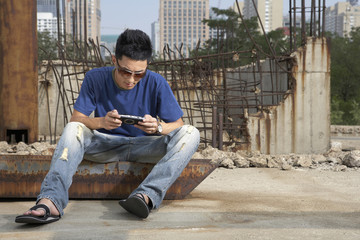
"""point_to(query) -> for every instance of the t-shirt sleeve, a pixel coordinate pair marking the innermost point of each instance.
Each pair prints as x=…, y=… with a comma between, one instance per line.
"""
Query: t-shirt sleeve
x=85, y=102
x=169, y=109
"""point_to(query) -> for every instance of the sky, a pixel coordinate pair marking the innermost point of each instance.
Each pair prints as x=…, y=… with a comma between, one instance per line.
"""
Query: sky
x=117, y=15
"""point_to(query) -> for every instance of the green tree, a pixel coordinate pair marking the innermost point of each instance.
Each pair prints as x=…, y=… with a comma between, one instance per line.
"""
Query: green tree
x=336, y=112
x=47, y=46
x=231, y=34
x=345, y=77
x=235, y=35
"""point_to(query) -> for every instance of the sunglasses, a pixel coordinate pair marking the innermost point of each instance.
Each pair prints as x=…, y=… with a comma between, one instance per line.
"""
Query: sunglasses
x=127, y=73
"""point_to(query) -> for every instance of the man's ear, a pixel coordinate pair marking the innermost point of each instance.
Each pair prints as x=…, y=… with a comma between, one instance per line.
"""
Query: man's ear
x=113, y=59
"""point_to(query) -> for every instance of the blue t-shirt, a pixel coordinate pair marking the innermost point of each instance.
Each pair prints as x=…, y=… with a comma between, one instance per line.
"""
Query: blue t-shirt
x=152, y=95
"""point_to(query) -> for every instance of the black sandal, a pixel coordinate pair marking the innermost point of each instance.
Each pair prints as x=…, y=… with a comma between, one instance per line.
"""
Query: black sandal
x=47, y=218
x=136, y=205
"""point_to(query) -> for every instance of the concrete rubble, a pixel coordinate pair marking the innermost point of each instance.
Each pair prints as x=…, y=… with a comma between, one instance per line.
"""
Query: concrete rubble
x=37, y=148
x=334, y=160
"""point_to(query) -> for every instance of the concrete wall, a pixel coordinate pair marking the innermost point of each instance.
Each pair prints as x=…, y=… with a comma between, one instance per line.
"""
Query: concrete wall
x=258, y=84
x=301, y=123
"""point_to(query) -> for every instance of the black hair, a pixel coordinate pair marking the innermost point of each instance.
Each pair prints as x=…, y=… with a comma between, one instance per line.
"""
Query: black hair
x=134, y=44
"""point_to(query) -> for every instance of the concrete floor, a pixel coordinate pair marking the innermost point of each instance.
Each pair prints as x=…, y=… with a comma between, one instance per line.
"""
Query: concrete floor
x=230, y=204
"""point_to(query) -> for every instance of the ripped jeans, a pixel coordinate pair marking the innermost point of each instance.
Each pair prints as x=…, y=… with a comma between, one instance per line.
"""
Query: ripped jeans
x=170, y=154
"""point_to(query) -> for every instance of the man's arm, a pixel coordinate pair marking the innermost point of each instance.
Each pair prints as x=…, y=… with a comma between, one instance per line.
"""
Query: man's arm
x=110, y=121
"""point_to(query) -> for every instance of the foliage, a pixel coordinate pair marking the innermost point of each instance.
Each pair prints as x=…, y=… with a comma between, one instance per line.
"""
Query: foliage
x=47, y=46
x=233, y=35
x=355, y=112
x=336, y=112
x=345, y=78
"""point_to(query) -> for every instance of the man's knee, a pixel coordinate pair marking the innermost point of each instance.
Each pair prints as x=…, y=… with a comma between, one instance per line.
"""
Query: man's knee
x=190, y=132
x=73, y=126
x=75, y=129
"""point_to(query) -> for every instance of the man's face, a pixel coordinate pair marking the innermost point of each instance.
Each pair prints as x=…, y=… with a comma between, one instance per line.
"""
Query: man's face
x=128, y=71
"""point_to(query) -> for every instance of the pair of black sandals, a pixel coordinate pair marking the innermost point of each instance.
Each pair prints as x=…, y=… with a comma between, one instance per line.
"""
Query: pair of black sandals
x=135, y=204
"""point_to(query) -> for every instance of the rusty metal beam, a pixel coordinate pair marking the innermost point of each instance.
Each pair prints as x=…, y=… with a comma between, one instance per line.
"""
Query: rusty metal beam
x=21, y=177
x=18, y=71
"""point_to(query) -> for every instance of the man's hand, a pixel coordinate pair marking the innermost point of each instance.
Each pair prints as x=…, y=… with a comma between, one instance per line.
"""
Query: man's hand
x=149, y=125
x=111, y=120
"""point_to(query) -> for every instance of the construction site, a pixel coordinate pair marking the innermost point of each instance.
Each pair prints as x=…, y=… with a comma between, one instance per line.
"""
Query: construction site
x=270, y=165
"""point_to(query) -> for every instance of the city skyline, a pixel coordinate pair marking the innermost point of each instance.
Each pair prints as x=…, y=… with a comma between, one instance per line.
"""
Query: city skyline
x=116, y=16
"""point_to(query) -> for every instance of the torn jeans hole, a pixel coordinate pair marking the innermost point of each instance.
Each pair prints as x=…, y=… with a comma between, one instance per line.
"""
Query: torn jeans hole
x=64, y=155
x=79, y=133
x=190, y=129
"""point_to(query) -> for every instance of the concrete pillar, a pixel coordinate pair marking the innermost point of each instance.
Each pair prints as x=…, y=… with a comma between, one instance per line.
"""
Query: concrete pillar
x=18, y=71
x=301, y=122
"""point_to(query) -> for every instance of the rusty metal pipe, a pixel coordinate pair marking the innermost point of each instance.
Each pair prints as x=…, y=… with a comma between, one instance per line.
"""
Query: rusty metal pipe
x=214, y=124
x=221, y=119
x=18, y=71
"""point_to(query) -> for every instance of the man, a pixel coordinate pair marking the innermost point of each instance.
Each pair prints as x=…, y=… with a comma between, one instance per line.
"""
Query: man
x=126, y=89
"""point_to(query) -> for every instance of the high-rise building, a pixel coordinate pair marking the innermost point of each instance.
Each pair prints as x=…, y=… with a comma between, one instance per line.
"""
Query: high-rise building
x=181, y=23
x=77, y=11
x=47, y=22
x=47, y=6
x=270, y=12
x=241, y=6
x=47, y=17
x=71, y=17
x=341, y=18
x=155, y=37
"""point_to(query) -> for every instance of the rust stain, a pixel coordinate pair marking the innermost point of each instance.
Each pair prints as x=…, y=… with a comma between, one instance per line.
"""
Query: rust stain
x=276, y=121
x=295, y=69
x=268, y=133
x=328, y=54
x=258, y=140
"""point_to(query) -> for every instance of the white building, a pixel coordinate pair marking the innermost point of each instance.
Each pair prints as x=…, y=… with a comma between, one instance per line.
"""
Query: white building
x=341, y=18
x=47, y=22
x=270, y=12
x=76, y=11
x=155, y=37
x=181, y=23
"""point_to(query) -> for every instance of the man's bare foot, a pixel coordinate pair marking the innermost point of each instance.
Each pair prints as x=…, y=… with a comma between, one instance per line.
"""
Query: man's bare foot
x=41, y=212
x=145, y=197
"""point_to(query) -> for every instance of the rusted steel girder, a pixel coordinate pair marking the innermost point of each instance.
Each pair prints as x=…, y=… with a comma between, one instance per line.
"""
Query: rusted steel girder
x=18, y=71
x=21, y=177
